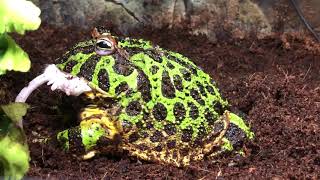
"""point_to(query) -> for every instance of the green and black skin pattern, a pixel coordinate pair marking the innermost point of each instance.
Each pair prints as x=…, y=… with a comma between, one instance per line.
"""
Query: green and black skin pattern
x=169, y=110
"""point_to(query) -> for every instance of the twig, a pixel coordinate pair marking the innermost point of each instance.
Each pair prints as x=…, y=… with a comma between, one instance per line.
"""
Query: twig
x=304, y=77
x=126, y=9
x=303, y=19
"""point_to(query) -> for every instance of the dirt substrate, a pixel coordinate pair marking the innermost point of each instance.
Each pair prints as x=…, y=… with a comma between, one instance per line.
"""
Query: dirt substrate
x=274, y=82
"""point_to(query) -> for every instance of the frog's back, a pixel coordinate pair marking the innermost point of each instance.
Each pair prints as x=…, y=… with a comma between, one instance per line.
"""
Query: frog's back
x=172, y=91
x=173, y=107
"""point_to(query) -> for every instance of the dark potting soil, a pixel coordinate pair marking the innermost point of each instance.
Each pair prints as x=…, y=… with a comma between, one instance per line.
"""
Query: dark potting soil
x=274, y=82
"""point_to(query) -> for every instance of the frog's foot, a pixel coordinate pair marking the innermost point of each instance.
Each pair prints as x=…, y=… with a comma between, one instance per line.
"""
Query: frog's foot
x=233, y=136
x=215, y=138
x=89, y=155
x=97, y=132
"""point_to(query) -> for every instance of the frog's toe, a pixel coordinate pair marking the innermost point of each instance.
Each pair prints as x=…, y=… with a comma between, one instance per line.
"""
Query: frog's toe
x=89, y=155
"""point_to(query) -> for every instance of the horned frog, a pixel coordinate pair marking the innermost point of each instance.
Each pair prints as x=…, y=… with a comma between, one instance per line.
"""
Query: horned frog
x=153, y=103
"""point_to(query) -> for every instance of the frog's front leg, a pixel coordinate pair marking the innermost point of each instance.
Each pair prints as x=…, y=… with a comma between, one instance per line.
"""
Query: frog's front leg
x=97, y=131
x=215, y=138
x=231, y=137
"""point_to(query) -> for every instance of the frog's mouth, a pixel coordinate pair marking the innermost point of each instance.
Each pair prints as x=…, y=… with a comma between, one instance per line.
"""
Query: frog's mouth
x=53, y=76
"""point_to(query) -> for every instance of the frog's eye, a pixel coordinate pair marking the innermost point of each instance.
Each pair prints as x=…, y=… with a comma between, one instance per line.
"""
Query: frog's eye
x=104, y=46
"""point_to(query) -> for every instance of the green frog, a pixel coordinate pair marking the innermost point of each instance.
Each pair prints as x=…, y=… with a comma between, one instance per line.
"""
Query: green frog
x=152, y=103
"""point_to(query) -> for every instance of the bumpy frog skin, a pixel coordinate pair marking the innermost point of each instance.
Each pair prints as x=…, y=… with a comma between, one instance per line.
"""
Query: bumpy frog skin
x=153, y=103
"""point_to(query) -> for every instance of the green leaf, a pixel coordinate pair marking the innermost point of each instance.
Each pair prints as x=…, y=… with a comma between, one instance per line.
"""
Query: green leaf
x=18, y=16
x=12, y=57
x=14, y=153
x=14, y=158
x=15, y=111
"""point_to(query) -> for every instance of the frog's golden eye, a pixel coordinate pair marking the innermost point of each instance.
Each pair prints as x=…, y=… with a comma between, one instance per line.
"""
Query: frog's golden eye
x=105, y=46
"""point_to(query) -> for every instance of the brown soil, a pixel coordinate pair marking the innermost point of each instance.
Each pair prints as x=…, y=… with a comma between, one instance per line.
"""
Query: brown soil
x=273, y=81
